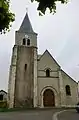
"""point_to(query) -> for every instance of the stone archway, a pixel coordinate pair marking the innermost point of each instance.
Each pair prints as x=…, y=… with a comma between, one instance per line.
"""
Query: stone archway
x=48, y=98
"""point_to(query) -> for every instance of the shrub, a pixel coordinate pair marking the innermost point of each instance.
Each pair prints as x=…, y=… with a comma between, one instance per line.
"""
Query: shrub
x=3, y=104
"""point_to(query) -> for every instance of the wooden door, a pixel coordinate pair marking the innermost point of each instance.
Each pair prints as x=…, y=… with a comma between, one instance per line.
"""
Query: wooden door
x=48, y=98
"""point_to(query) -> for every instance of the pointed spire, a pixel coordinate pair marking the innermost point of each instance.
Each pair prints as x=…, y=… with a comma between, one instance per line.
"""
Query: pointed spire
x=26, y=25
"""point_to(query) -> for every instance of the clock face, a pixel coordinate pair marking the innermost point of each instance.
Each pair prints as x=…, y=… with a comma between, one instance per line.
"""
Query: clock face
x=26, y=36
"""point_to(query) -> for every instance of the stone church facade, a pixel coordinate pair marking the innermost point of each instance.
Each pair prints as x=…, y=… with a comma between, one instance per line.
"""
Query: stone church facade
x=37, y=80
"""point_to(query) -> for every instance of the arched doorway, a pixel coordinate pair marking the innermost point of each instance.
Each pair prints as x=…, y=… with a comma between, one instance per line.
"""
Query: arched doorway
x=48, y=98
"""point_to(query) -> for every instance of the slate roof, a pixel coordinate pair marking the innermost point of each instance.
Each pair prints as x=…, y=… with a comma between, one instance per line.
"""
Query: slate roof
x=26, y=25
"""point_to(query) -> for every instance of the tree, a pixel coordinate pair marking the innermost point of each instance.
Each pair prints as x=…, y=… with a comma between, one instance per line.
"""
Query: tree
x=51, y=4
x=6, y=16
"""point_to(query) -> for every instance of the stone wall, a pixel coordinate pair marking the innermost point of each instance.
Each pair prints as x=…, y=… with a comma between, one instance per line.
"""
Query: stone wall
x=46, y=61
x=19, y=38
x=73, y=98
x=24, y=85
x=12, y=78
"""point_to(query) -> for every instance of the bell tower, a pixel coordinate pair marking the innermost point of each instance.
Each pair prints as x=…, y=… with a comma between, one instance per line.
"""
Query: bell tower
x=22, y=87
x=25, y=35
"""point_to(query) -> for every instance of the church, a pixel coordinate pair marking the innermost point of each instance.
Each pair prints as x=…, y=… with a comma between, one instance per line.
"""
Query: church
x=37, y=80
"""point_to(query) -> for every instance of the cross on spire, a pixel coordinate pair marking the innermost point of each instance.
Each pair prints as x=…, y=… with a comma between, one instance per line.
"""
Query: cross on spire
x=26, y=25
x=27, y=10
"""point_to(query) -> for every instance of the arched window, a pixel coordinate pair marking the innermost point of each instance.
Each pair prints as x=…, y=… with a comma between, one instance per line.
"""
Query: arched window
x=28, y=41
x=47, y=73
x=24, y=41
x=68, y=91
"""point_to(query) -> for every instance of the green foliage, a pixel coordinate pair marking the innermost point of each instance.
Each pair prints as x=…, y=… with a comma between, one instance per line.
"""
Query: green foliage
x=6, y=17
x=3, y=104
x=51, y=4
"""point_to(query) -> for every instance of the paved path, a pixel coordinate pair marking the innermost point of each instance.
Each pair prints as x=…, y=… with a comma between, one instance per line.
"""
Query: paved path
x=29, y=115
x=68, y=115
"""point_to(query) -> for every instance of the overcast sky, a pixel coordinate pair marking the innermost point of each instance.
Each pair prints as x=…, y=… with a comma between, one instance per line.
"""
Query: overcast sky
x=58, y=33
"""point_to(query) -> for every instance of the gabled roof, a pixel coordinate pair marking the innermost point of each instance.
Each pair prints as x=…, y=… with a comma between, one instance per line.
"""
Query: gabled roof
x=50, y=56
x=69, y=76
x=26, y=25
x=3, y=91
